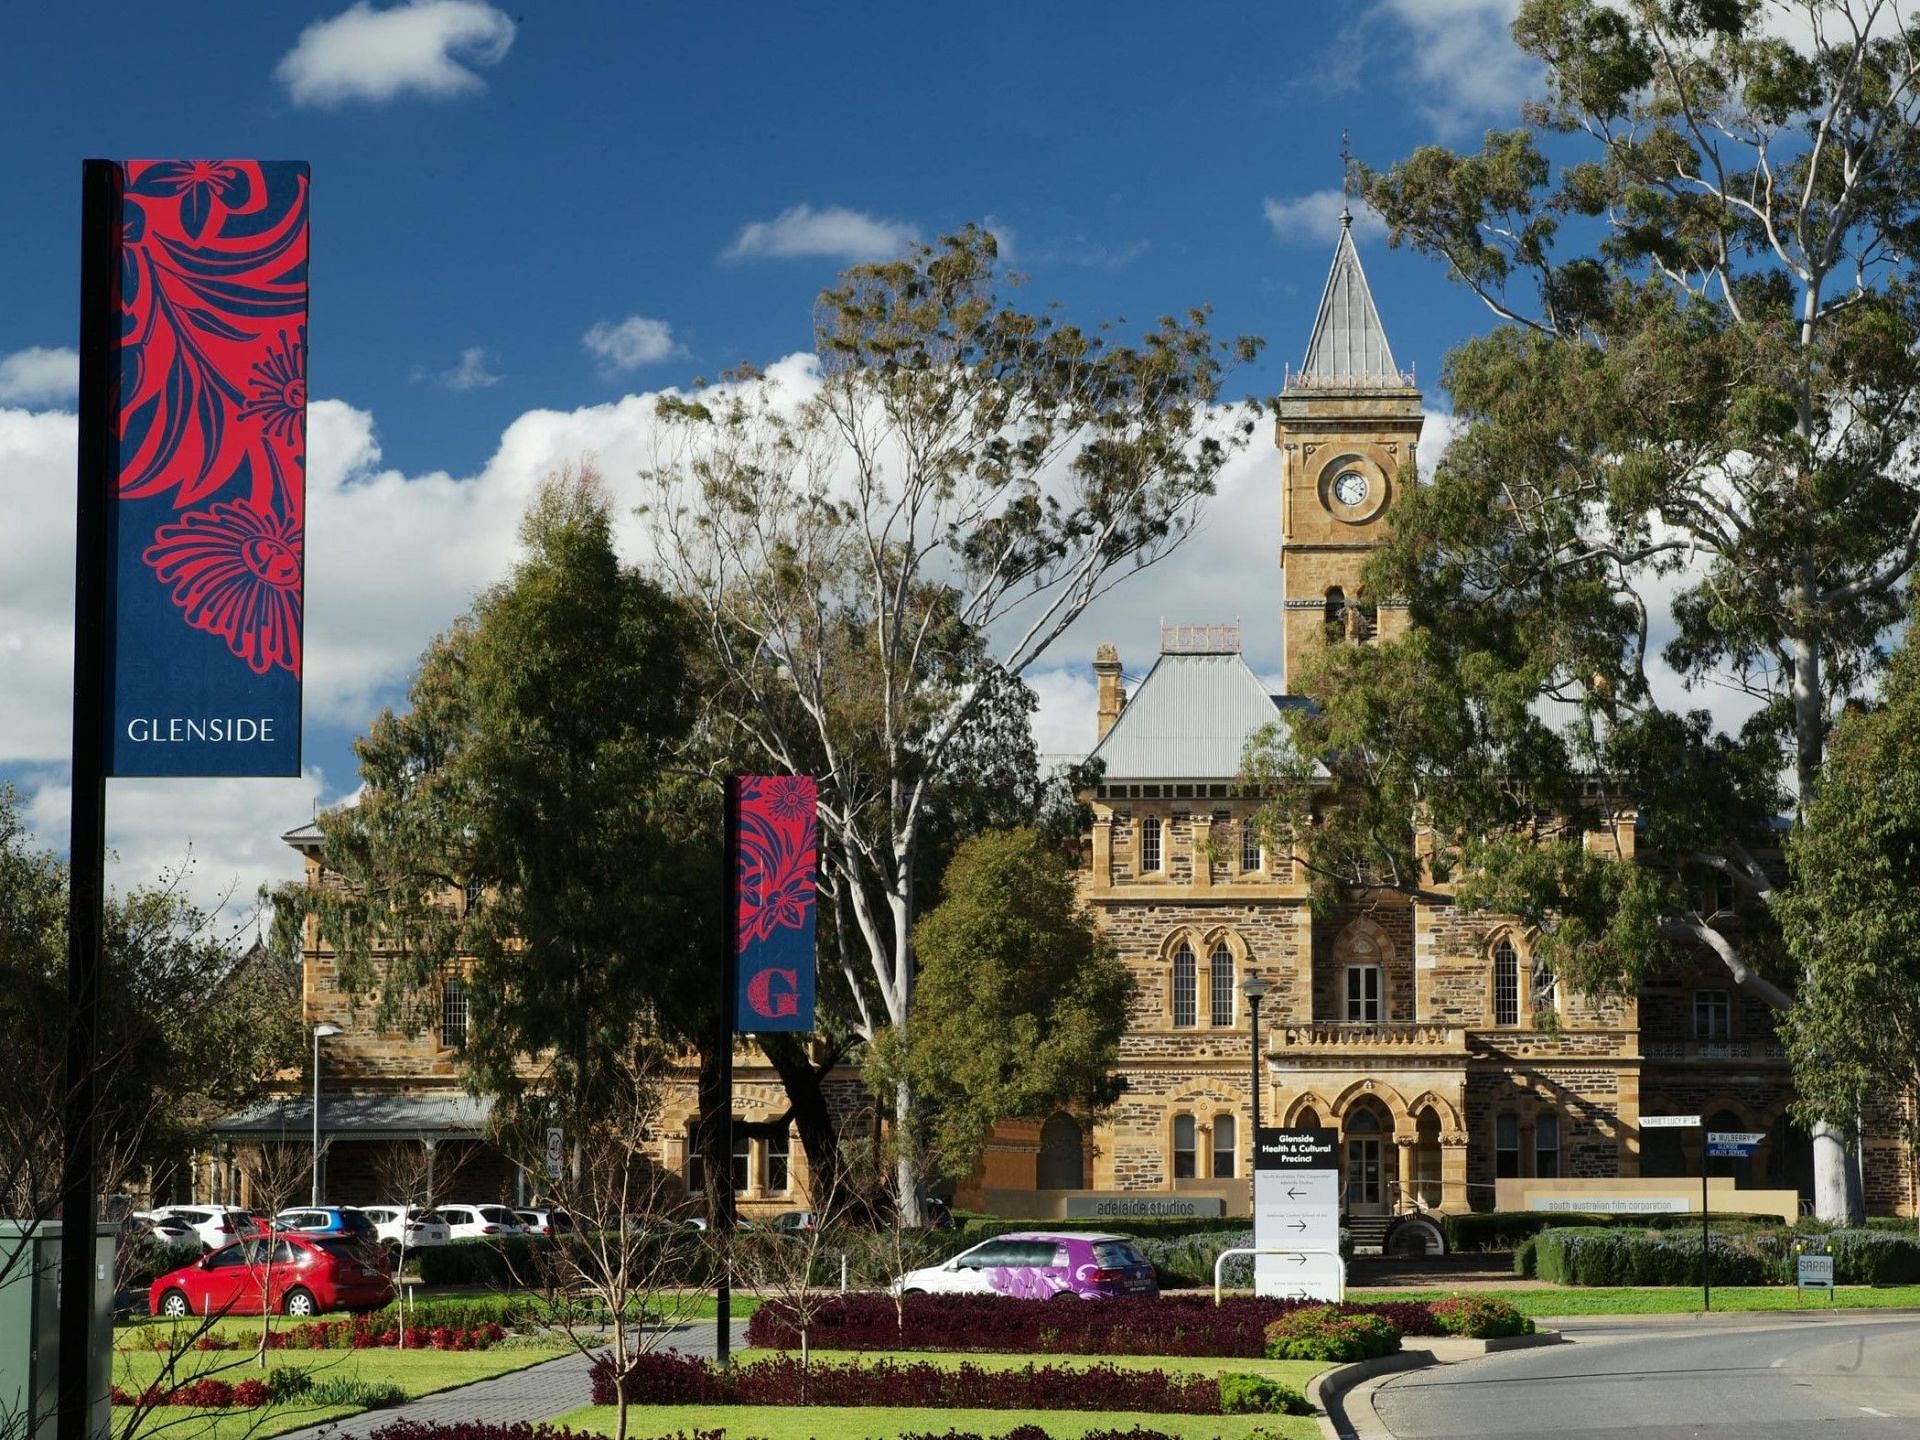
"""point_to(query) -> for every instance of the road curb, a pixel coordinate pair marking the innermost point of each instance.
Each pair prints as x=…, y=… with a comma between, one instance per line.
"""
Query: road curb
x=1327, y=1390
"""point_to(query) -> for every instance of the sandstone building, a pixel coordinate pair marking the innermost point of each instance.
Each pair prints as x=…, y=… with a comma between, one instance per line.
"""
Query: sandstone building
x=1410, y=1027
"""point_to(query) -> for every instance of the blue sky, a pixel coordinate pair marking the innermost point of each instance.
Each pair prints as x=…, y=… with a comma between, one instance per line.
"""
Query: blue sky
x=526, y=222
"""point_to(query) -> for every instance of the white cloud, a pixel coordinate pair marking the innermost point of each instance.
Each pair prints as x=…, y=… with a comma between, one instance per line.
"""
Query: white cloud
x=834, y=231
x=425, y=47
x=1314, y=219
x=39, y=375
x=630, y=343
x=1454, y=60
x=473, y=371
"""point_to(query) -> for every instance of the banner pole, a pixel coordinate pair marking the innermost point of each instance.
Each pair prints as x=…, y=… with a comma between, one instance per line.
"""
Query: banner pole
x=729, y=985
x=86, y=866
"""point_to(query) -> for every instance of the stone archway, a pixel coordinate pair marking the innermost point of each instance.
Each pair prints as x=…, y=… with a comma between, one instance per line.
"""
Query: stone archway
x=1062, y=1163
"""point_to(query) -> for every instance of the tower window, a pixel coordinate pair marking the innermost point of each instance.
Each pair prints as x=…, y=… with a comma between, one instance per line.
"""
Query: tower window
x=1336, y=616
x=1249, y=845
x=453, y=1013
x=1149, y=845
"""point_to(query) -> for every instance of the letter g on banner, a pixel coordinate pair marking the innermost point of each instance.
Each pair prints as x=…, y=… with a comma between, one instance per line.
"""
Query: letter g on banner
x=774, y=851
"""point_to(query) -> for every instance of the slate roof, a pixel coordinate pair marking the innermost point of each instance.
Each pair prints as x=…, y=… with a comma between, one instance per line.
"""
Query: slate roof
x=1189, y=719
x=1349, y=344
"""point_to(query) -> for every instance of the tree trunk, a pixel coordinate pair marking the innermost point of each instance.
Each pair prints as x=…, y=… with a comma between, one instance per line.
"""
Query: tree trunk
x=716, y=1168
x=906, y=1173
x=1836, y=1197
x=807, y=1107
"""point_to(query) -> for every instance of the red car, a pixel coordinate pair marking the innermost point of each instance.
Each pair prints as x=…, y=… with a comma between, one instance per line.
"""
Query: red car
x=294, y=1274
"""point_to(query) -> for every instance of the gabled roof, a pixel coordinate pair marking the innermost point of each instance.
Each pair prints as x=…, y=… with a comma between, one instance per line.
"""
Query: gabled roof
x=1349, y=343
x=1190, y=719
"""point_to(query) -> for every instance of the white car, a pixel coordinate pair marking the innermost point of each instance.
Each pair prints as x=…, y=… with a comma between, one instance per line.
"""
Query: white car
x=479, y=1222
x=407, y=1224
x=212, y=1225
x=162, y=1229
x=545, y=1223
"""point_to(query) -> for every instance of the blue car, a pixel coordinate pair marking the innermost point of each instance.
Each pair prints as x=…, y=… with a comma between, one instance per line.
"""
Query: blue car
x=338, y=1221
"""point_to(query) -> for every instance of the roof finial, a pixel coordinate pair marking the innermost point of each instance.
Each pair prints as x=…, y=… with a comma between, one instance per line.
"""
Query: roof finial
x=1346, y=181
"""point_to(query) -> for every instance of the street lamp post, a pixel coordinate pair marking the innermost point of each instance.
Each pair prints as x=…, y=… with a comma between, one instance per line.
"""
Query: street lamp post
x=1254, y=989
x=320, y=1032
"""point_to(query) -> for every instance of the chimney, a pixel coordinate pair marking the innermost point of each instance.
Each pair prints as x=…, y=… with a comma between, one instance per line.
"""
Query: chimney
x=1113, y=695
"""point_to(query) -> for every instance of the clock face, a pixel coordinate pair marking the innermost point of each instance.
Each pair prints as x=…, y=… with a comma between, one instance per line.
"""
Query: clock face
x=1350, y=489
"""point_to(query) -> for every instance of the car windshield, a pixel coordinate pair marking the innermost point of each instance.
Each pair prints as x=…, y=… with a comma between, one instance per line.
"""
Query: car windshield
x=1112, y=1254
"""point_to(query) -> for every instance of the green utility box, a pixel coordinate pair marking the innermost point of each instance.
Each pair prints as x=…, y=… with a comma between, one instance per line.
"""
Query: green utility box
x=30, y=1330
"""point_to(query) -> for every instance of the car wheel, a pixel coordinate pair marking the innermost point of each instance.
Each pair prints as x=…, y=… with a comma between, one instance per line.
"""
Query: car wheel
x=909, y=1294
x=175, y=1303
x=299, y=1302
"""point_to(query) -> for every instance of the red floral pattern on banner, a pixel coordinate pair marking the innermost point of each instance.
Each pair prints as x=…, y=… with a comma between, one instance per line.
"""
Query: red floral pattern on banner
x=213, y=303
x=776, y=855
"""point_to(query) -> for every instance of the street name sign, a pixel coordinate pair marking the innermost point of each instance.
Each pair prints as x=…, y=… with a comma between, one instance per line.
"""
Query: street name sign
x=1669, y=1122
x=1296, y=1208
x=1733, y=1144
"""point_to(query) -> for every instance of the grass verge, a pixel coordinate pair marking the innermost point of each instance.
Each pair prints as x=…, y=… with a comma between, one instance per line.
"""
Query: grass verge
x=1669, y=1300
x=885, y=1422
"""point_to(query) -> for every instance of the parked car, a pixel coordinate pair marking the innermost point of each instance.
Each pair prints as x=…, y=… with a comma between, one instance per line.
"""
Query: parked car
x=420, y=1229
x=160, y=1229
x=215, y=1225
x=339, y=1221
x=795, y=1220
x=547, y=1223
x=1038, y=1266
x=475, y=1222
x=294, y=1274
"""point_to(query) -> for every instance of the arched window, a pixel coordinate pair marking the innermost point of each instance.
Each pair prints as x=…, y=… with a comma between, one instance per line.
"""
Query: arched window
x=1544, y=988
x=1506, y=984
x=1336, y=614
x=453, y=1013
x=1183, y=1147
x=1225, y=1150
x=1062, y=1163
x=1220, y=984
x=1185, y=987
x=1149, y=845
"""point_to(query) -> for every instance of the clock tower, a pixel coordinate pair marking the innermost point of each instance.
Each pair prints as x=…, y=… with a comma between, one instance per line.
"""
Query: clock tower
x=1349, y=424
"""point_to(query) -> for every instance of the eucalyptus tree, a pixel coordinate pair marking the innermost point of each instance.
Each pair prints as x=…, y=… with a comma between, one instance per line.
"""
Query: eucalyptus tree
x=875, y=557
x=1693, y=422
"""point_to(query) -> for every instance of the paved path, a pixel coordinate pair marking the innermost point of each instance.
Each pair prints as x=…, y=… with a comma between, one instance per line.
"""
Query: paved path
x=528, y=1396
x=1753, y=1377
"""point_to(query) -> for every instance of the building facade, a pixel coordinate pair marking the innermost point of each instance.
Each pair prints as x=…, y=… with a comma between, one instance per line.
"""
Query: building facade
x=1417, y=1030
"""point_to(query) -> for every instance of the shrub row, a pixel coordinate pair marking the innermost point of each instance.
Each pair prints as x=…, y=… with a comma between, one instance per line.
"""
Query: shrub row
x=665, y=1378
x=1507, y=1229
x=1742, y=1255
x=359, y=1333
x=478, y=1430
x=280, y=1387
x=1190, y=1325
x=206, y=1394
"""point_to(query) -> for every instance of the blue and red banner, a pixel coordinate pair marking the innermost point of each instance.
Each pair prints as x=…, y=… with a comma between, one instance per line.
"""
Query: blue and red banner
x=774, y=849
x=208, y=467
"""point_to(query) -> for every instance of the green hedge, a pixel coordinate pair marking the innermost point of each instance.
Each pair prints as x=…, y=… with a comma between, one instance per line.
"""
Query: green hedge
x=1508, y=1229
x=1600, y=1255
x=1860, y=1257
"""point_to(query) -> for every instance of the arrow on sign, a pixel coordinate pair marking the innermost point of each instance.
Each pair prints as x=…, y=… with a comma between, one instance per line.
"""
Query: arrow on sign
x=1297, y=1225
x=1298, y=1259
x=1293, y=1194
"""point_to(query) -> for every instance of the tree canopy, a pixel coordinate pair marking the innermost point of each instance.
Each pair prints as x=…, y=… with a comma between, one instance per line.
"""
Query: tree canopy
x=1692, y=425
x=874, y=561
x=523, y=826
x=1021, y=1000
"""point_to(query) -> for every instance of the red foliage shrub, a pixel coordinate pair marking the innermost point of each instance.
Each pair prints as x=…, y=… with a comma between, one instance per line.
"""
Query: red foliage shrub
x=670, y=1379
x=252, y=1393
x=1183, y=1325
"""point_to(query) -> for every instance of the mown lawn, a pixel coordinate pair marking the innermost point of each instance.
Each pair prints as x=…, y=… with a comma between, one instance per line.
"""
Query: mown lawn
x=418, y=1372
x=1670, y=1300
x=885, y=1422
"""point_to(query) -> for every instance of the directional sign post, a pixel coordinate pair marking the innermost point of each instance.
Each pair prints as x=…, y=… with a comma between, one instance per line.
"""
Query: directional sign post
x=1296, y=1208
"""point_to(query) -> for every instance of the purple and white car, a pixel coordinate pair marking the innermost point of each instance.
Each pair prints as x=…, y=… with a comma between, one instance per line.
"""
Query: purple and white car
x=1034, y=1265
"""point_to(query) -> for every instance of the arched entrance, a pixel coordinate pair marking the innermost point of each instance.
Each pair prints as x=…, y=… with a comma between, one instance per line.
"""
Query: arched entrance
x=1367, y=1135
x=1063, y=1154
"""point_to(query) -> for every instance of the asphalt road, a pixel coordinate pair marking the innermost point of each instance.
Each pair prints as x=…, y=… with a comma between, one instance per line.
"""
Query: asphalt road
x=1755, y=1378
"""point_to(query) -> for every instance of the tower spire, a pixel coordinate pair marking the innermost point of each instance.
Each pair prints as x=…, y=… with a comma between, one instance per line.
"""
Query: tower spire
x=1349, y=344
x=1346, y=181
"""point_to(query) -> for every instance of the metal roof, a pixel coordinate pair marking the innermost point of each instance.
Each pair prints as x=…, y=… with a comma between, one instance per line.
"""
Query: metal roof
x=1190, y=719
x=1349, y=344
x=434, y=1116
